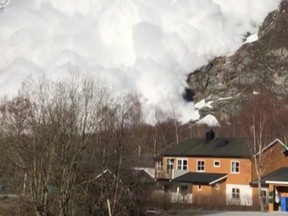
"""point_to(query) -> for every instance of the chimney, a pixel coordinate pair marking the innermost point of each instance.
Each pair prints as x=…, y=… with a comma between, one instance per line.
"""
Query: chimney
x=209, y=135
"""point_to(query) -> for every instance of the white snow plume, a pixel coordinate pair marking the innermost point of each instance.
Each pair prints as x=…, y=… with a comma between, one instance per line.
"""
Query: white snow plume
x=4, y=3
x=147, y=46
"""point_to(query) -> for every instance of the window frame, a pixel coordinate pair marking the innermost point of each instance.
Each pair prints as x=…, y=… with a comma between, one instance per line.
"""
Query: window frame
x=169, y=166
x=264, y=198
x=232, y=167
x=236, y=193
x=182, y=164
x=216, y=165
x=184, y=188
x=197, y=166
x=159, y=165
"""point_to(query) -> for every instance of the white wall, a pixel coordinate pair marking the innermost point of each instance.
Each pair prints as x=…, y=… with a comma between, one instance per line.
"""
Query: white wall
x=181, y=198
x=178, y=196
x=245, y=194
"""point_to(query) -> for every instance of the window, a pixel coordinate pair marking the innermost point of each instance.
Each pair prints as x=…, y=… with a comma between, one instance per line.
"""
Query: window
x=235, y=167
x=160, y=165
x=216, y=163
x=184, y=189
x=217, y=186
x=199, y=187
x=200, y=166
x=169, y=166
x=264, y=195
x=182, y=164
x=235, y=193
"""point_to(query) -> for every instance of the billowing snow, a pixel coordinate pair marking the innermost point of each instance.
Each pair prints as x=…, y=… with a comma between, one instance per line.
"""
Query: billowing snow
x=4, y=3
x=147, y=47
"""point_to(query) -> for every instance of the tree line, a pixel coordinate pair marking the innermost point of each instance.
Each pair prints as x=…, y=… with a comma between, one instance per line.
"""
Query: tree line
x=56, y=138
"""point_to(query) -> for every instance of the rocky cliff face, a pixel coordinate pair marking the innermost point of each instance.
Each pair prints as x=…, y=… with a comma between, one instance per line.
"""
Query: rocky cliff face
x=258, y=66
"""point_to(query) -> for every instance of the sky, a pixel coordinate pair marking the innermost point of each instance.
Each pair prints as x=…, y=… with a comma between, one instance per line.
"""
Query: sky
x=144, y=46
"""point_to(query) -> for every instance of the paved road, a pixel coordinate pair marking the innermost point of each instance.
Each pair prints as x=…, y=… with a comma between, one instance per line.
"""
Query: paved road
x=246, y=213
x=228, y=213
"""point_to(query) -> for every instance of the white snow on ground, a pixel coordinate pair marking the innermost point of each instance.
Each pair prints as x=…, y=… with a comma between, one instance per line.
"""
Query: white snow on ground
x=255, y=92
x=252, y=38
x=209, y=120
x=201, y=104
x=225, y=98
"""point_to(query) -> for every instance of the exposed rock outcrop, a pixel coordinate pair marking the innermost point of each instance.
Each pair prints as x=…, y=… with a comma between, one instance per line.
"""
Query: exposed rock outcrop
x=255, y=67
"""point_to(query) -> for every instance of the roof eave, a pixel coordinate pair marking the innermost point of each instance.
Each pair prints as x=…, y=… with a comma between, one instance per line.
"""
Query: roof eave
x=271, y=144
x=217, y=180
x=277, y=182
x=207, y=156
x=192, y=182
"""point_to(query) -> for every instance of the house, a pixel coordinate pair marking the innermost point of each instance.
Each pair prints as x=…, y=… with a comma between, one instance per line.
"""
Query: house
x=274, y=181
x=224, y=167
x=132, y=180
x=143, y=162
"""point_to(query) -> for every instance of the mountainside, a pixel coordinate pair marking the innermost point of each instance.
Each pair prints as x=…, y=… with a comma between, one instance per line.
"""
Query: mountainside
x=257, y=66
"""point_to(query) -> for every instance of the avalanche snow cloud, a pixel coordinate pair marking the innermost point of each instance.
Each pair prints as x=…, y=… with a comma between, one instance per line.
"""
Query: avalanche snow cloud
x=147, y=46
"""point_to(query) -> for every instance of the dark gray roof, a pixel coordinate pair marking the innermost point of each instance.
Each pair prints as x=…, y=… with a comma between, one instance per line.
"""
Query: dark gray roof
x=200, y=178
x=138, y=177
x=279, y=175
x=218, y=147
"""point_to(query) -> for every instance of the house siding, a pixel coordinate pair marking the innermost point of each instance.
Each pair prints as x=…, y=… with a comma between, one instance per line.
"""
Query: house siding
x=222, y=188
x=246, y=194
x=273, y=157
x=273, y=160
x=243, y=177
x=205, y=190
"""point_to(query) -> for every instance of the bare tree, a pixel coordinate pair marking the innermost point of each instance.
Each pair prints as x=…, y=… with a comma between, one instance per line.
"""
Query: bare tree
x=48, y=127
x=257, y=139
x=255, y=123
x=61, y=135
